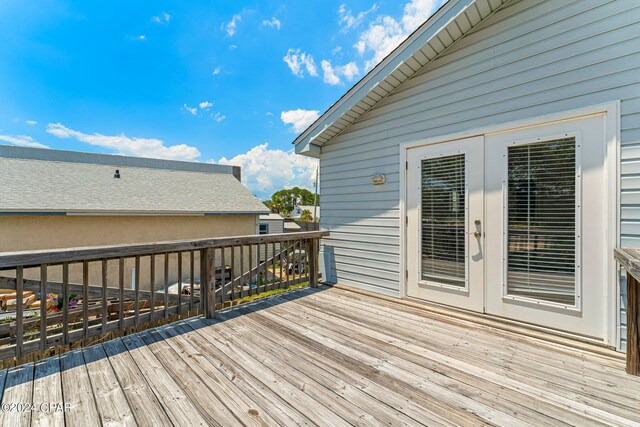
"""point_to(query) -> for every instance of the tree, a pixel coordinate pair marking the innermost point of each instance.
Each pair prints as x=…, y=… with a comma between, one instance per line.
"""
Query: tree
x=288, y=199
x=305, y=216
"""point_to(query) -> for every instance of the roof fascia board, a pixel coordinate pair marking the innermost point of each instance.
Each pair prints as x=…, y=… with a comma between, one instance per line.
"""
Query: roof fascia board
x=114, y=160
x=310, y=150
x=438, y=21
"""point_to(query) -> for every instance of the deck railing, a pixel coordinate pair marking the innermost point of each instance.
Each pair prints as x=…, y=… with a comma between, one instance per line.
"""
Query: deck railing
x=52, y=300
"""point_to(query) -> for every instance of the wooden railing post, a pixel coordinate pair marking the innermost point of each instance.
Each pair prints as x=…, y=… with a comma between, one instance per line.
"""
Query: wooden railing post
x=313, y=262
x=210, y=284
x=630, y=260
x=633, y=325
x=19, y=311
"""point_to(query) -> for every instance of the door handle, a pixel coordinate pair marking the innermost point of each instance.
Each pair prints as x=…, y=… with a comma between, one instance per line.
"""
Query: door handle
x=477, y=233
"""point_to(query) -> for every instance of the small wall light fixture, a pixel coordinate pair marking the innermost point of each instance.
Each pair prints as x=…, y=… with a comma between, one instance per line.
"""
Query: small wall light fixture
x=378, y=179
x=117, y=174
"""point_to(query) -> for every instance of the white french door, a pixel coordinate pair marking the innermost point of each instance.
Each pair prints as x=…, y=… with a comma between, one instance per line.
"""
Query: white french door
x=444, y=216
x=545, y=189
x=513, y=224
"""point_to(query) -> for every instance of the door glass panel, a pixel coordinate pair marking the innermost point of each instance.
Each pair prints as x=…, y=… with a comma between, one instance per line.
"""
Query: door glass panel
x=541, y=225
x=443, y=220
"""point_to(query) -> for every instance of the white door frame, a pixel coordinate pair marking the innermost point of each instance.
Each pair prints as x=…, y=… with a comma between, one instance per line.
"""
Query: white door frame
x=611, y=111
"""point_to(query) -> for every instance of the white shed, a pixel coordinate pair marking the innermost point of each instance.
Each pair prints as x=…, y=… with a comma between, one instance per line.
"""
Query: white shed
x=271, y=223
x=491, y=163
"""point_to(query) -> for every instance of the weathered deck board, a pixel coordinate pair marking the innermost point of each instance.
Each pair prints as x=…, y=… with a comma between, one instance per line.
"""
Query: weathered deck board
x=566, y=372
x=47, y=388
x=18, y=389
x=307, y=362
x=239, y=403
x=437, y=379
x=143, y=402
x=171, y=396
x=328, y=357
x=203, y=399
x=76, y=389
x=288, y=392
x=110, y=399
x=478, y=382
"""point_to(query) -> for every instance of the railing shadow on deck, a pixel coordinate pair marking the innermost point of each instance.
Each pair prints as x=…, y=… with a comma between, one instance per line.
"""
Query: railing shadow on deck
x=54, y=365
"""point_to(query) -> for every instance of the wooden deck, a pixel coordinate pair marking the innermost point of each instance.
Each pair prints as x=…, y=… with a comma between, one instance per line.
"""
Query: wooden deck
x=326, y=357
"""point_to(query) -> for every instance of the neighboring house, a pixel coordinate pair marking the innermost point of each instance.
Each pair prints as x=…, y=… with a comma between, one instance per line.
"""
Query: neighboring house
x=491, y=163
x=297, y=211
x=58, y=199
x=271, y=223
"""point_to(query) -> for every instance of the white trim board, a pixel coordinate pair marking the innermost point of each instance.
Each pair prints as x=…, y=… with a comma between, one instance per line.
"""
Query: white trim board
x=611, y=111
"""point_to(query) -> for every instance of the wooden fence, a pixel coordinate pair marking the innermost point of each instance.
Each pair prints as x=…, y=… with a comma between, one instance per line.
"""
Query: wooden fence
x=42, y=316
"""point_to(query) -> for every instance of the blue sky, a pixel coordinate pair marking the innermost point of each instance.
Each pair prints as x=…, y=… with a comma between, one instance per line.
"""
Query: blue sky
x=230, y=82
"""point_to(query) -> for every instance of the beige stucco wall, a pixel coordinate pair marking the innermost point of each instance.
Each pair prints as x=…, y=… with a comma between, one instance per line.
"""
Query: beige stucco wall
x=19, y=233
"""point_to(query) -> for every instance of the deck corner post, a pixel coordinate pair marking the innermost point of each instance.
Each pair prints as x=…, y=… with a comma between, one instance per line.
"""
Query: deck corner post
x=633, y=325
x=313, y=262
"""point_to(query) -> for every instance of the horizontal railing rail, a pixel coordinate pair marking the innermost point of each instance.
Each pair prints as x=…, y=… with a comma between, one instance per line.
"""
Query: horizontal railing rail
x=51, y=300
x=59, y=256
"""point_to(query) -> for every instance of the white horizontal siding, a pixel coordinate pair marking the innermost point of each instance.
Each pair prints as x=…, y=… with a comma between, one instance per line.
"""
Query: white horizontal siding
x=531, y=58
x=276, y=226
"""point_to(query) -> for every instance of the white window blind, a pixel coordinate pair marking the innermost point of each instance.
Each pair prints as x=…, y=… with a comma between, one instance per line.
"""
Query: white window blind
x=541, y=221
x=443, y=220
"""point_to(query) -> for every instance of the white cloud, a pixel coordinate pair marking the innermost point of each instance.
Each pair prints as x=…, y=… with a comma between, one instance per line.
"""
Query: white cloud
x=142, y=37
x=380, y=39
x=299, y=119
x=332, y=75
x=299, y=61
x=349, y=71
x=205, y=105
x=217, y=71
x=122, y=144
x=192, y=110
x=386, y=33
x=273, y=23
x=163, y=18
x=22, y=141
x=218, y=117
x=232, y=26
x=336, y=50
x=266, y=171
x=31, y=122
x=348, y=20
x=418, y=11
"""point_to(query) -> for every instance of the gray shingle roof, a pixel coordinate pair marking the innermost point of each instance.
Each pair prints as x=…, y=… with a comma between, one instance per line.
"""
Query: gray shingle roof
x=35, y=185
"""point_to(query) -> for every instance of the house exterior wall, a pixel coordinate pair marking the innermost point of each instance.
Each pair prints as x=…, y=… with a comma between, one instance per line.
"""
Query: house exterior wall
x=532, y=58
x=18, y=233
